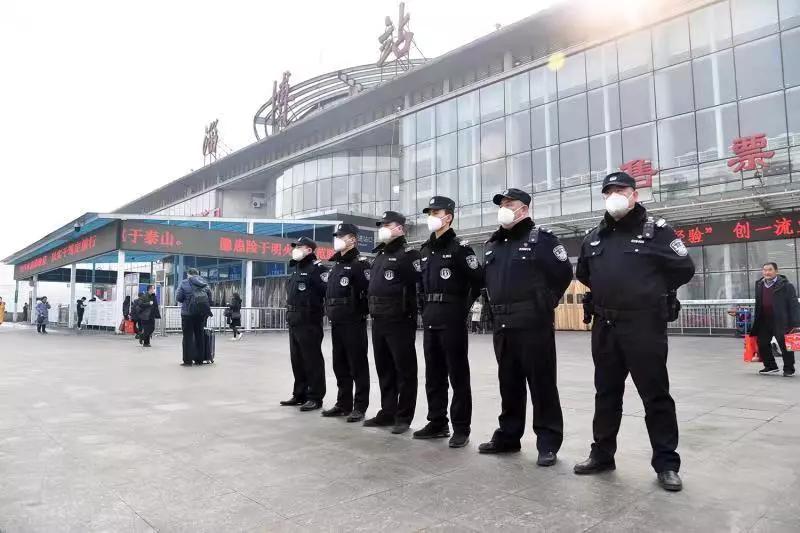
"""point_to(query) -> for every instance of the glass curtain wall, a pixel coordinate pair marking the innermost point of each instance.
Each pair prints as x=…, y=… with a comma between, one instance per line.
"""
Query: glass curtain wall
x=674, y=96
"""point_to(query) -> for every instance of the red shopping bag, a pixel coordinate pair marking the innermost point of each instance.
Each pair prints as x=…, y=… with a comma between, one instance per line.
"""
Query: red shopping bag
x=129, y=329
x=793, y=340
x=750, y=349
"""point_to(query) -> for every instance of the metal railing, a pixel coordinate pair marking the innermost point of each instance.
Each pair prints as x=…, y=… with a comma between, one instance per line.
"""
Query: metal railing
x=710, y=317
x=253, y=319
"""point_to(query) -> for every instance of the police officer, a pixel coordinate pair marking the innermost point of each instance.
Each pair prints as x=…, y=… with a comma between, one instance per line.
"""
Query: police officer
x=451, y=280
x=632, y=264
x=304, y=309
x=527, y=272
x=394, y=277
x=346, y=307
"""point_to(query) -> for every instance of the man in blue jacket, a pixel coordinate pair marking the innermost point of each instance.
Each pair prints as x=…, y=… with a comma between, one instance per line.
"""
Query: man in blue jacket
x=195, y=298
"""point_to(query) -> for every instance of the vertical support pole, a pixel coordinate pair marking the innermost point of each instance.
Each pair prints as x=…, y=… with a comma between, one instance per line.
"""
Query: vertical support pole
x=508, y=61
x=16, y=300
x=120, y=291
x=35, y=294
x=248, y=284
x=92, y=287
x=73, y=276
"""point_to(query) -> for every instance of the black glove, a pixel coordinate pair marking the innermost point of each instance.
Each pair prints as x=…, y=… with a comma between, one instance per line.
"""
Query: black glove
x=588, y=308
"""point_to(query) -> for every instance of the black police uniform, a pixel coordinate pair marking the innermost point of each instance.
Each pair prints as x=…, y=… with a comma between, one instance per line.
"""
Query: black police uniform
x=630, y=265
x=304, y=311
x=346, y=307
x=452, y=278
x=527, y=272
x=393, y=305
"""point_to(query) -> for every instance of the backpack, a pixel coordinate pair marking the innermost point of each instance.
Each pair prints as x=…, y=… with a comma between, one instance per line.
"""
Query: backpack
x=199, y=304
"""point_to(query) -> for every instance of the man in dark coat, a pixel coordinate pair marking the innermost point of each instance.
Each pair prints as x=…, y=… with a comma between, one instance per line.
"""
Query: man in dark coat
x=147, y=313
x=776, y=313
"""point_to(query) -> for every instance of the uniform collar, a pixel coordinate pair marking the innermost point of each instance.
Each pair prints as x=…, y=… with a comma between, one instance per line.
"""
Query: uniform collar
x=441, y=242
x=520, y=229
x=634, y=219
x=349, y=256
x=304, y=261
x=391, y=246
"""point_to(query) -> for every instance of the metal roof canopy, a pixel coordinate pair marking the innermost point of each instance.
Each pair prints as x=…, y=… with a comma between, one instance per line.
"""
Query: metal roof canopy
x=90, y=222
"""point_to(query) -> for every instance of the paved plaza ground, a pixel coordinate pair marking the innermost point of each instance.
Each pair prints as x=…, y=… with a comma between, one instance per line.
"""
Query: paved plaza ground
x=97, y=434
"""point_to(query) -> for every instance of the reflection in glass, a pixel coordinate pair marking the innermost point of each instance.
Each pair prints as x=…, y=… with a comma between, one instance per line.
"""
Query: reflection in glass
x=543, y=86
x=518, y=132
x=753, y=19
x=408, y=163
x=408, y=130
x=468, y=110
x=790, y=44
x=604, y=109
x=573, y=122
x=725, y=257
x=383, y=186
x=764, y=114
x=426, y=153
x=710, y=29
x=671, y=42
x=601, y=65
x=469, y=184
x=355, y=189
x=638, y=100
x=493, y=140
x=493, y=178
x=606, y=154
x=425, y=188
x=408, y=196
x=446, y=153
x=446, y=117
x=517, y=93
x=469, y=146
x=575, y=163
x=547, y=204
x=677, y=141
x=575, y=200
x=310, y=195
x=339, y=190
x=426, y=124
x=519, y=171
x=727, y=286
x=674, y=90
x=714, y=81
x=716, y=129
x=324, y=193
x=447, y=185
x=340, y=163
x=368, y=187
x=757, y=69
x=492, y=102
x=635, y=55
x=572, y=76
x=546, y=171
x=544, y=125
x=639, y=143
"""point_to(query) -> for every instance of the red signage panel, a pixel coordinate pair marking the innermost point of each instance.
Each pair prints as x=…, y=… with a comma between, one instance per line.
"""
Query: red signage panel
x=782, y=226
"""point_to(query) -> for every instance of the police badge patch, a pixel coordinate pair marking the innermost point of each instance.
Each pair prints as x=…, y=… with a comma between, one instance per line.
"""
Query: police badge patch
x=366, y=274
x=301, y=287
x=344, y=281
x=445, y=273
x=389, y=275
x=678, y=247
x=324, y=276
x=472, y=262
x=417, y=265
x=560, y=252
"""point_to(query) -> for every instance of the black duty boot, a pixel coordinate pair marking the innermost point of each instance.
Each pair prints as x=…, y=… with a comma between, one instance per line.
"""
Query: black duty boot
x=334, y=411
x=355, y=416
x=546, y=459
x=400, y=427
x=294, y=400
x=311, y=405
x=593, y=466
x=458, y=440
x=498, y=447
x=376, y=422
x=432, y=431
x=670, y=480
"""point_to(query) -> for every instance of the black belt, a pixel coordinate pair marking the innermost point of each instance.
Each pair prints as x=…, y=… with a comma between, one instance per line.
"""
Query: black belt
x=339, y=301
x=385, y=299
x=621, y=314
x=439, y=297
x=514, y=307
x=298, y=307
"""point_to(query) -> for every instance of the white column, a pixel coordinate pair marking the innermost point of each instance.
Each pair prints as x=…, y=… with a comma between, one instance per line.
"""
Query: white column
x=16, y=301
x=248, y=283
x=508, y=61
x=120, y=286
x=32, y=310
x=73, y=271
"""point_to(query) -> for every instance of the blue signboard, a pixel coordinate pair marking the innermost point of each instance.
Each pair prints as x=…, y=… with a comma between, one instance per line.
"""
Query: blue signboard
x=366, y=240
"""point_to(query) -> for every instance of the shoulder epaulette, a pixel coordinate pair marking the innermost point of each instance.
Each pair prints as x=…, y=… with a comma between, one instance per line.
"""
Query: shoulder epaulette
x=463, y=242
x=318, y=262
x=660, y=223
x=362, y=258
x=409, y=249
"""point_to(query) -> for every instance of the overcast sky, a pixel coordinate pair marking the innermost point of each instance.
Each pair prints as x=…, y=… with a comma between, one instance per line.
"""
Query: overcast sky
x=101, y=101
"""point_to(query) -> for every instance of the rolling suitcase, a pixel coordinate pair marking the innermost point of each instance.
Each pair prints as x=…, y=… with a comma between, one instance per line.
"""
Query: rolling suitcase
x=209, y=345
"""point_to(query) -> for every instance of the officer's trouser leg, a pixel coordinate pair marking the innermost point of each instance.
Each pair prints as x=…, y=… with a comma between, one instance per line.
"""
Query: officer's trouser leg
x=384, y=365
x=341, y=367
x=513, y=395
x=456, y=350
x=359, y=364
x=764, y=340
x=645, y=349
x=539, y=359
x=435, y=376
x=298, y=367
x=401, y=343
x=610, y=373
x=310, y=340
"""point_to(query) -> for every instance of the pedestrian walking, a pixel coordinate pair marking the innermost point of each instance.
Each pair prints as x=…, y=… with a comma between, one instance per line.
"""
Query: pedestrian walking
x=126, y=308
x=195, y=298
x=81, y=308
x=527, y=272
x=633, y=265
x=776, y=314
x=42, y=315
x=134, y=316
x=452, y=279
x=233, y=315
x=147, y=313
x=346, y=308
x=25, y=312
x=394, y=277
x=475, y=315
x=304, y=311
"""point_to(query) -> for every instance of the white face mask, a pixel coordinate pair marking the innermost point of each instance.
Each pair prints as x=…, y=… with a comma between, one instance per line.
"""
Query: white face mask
x=434, y=223
x=385, y=234
x=617, y=205
x=339, y=244
x=298, y=254
x=505, y=216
